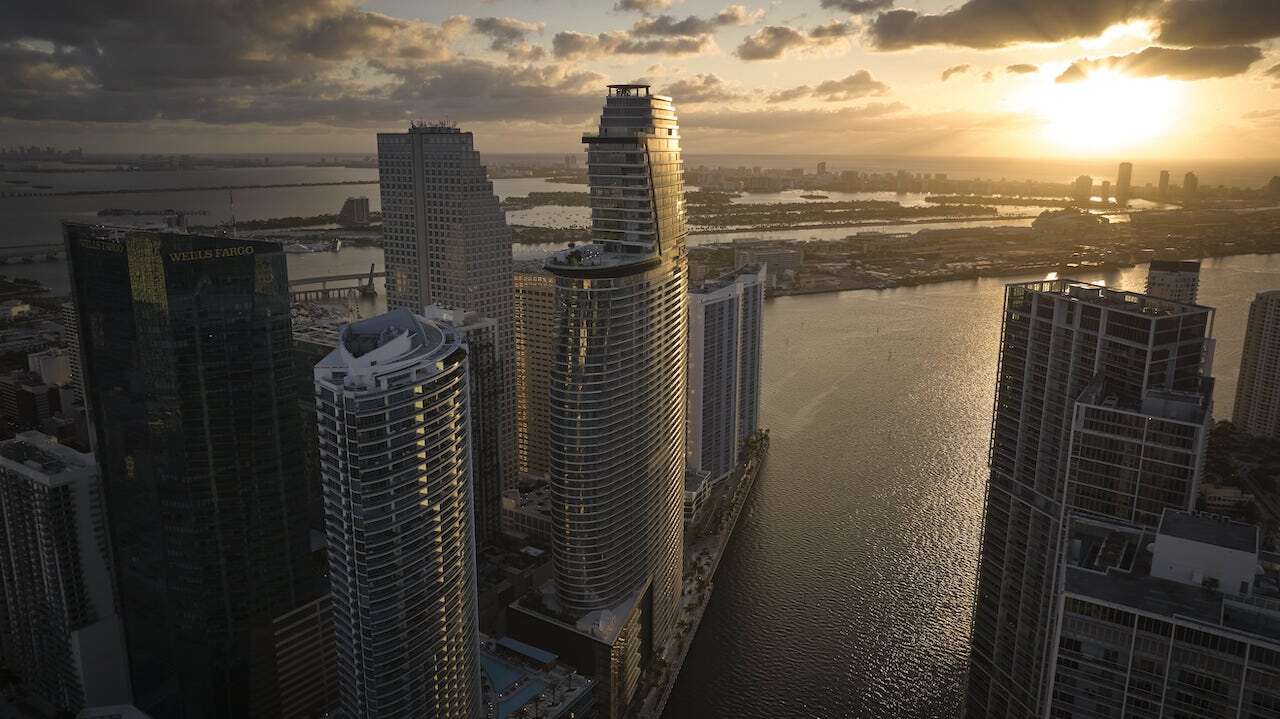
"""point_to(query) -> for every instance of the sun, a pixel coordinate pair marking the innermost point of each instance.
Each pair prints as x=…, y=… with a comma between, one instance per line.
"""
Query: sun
x=1107, y=112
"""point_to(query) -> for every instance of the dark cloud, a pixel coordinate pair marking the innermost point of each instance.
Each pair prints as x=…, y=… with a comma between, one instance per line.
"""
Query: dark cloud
x=212, y=46
x=1021, y=69
x=1273, y=73
x=738, y=15
x=955, y=70
x=857, y=7
x=1218, y=22
x=859, y=84
x=770, y=42
x=1261, y=114
x=851, y=87
x=702, y=88
x=641, y=6
x=773, y=41
x=30, y=73
x=577, y=45
x=986, y=24
x=693, y=26
x=1197, y=63
x=285, y=62
x=462, y=89
x=832, y=30
x=507, y=34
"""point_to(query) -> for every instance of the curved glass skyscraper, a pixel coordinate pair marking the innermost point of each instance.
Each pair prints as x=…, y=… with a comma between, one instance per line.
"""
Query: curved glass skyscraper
x=617, y=387
x=392, y=414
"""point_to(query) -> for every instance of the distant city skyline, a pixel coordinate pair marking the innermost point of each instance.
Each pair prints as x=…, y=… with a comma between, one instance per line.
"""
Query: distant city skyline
x=922, y=77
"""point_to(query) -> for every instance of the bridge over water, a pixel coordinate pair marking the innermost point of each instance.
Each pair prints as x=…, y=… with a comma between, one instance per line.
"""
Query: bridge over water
x=327, y=287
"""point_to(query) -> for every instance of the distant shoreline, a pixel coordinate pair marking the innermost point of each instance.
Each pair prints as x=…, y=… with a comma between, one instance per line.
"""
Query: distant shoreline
x=203, y=188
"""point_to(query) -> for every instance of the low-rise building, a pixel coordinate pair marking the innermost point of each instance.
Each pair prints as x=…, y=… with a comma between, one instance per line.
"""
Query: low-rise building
x=53, y=365
x=527, y=514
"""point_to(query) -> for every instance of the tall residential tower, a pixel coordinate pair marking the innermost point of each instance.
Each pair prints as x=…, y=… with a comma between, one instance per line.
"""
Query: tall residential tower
x=1257, y=408
x=1090, y=379
x=392, y=409
x=618, y=393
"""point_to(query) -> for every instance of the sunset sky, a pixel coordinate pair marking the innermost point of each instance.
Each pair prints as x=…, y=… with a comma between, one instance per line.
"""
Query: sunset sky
x=1018, y=78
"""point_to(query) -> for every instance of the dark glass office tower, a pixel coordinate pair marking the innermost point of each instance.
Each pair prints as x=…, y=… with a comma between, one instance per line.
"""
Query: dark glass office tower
x=186, y=355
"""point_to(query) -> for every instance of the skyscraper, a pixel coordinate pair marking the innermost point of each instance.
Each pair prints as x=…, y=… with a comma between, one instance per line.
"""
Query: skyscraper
x=535, y=314
x=1163, y=622
x=186, y=357
x=392, y=406
x=1190, y=185
x=447, y=243
x=1070, y=353
x=1082, y=189
x=59, y=629
x=71, y=340
x=1257, y=408
x=618, y=393
x=725, y=324
x=1174, y=280
x=1124, y=180
x=1164, y=184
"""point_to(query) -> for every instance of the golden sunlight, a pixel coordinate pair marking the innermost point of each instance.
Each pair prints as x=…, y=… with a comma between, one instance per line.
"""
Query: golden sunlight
x=1106, y=112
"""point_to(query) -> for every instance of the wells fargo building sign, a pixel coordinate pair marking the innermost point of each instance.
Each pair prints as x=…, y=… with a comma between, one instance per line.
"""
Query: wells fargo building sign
x=210, y=254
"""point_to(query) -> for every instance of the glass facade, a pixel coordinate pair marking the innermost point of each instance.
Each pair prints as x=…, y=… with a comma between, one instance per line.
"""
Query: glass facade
x=617, y=389
x=186, y=356
x=393, y=411
x=1058, y=339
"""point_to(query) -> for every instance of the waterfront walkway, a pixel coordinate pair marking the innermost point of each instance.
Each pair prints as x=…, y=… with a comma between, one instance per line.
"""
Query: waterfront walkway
x=702, y=557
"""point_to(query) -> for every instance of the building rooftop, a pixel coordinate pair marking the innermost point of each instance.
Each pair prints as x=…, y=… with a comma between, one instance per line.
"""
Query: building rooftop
x=730, y=278
x=626, y=89
x=390, y=342
x=40, y=458
x=1210, y=529
x=1124, y=300
x=1188, y=407
x=595, y=259
x=1112, y=563
x=1175, y=265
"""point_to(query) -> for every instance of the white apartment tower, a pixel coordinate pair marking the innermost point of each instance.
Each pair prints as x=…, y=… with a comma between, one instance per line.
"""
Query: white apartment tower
x=447, y=243
x=1257, y=409
x=59, y=628
x=392, y=407
x=725, y=323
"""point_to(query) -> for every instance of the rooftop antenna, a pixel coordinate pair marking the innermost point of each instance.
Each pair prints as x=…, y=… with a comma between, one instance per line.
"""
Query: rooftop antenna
x=231, y=197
